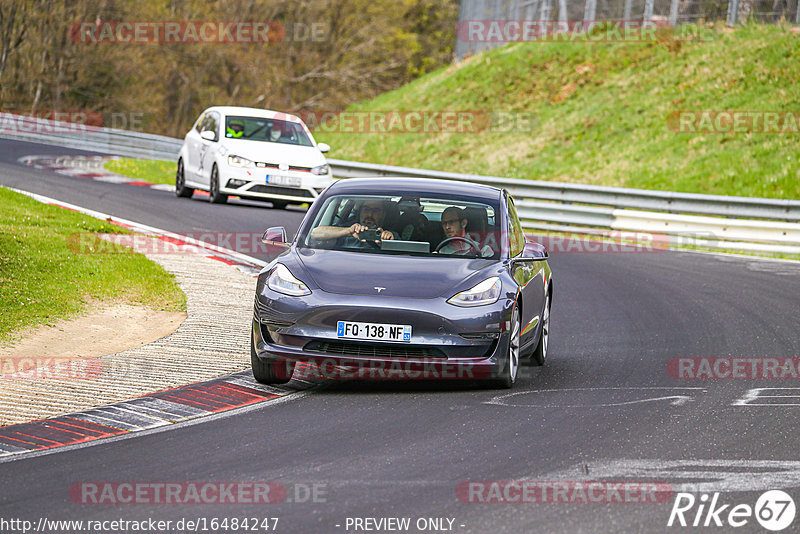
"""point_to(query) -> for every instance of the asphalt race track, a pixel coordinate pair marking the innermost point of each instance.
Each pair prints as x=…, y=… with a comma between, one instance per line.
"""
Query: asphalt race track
x=603, y=408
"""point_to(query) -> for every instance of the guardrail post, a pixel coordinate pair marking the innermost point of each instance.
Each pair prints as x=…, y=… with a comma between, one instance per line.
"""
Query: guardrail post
x=797, y=17
x=673, y=13
x=627, y=14
x=648, y=11
x=733, y=12
x=545, y=17
x=545, y=12
x=590, y=10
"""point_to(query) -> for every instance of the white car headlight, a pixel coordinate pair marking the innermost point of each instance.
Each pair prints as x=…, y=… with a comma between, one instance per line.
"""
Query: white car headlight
x=484, y=293
x=321, y=169
x=283, y=281
x=238, y=161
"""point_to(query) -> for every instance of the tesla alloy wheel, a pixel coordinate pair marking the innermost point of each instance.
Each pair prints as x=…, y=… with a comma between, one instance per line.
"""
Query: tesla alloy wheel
x=508, y=375
x=540, y=354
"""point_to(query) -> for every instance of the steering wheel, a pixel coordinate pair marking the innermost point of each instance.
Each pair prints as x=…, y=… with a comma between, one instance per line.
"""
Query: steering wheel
x=466, y=240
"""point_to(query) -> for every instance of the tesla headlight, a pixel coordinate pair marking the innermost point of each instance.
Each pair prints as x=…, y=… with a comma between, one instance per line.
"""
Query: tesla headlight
x=321, y=169
x=238, y=161
x=484, y=293
x=283, y=281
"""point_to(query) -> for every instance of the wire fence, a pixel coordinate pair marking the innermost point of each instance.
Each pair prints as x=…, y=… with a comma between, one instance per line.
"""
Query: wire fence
x=548, y=13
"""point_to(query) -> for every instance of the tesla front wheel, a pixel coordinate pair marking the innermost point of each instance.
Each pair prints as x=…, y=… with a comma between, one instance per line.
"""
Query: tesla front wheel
x=540, y=354
x=508, y=375
x=270, y=371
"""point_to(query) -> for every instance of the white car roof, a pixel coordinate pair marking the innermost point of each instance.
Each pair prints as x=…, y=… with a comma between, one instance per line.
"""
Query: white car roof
x=254, y=112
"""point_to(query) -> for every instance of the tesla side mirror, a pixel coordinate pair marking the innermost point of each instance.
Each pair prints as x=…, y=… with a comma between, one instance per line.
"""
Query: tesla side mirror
x=534, y=251
x=208, y=135
x=275, y=236
x=324, y=147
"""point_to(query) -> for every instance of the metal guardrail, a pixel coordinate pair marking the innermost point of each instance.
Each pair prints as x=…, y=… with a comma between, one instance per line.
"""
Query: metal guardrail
x=619, y=197
x=85, y=137
x=713, y=221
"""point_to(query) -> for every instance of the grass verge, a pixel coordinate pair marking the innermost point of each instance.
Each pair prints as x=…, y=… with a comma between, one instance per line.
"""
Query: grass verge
x=146, y=170
x=42, y=279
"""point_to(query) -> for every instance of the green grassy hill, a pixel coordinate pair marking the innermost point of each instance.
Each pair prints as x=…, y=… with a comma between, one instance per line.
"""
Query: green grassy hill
x=601, y=113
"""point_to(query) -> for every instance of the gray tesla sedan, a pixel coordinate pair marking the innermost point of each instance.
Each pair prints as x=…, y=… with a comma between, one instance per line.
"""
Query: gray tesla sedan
x=403, y=278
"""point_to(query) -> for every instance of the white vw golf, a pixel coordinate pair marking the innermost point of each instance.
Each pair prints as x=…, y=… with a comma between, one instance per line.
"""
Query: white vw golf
x=252, y=153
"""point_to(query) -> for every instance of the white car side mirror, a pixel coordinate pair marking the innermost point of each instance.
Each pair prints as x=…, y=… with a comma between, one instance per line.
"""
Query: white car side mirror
x=208, y=135
x=324, y=147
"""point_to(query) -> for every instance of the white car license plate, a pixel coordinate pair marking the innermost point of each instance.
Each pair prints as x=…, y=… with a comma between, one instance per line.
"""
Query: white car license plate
x=373, y=331
x=280, y=179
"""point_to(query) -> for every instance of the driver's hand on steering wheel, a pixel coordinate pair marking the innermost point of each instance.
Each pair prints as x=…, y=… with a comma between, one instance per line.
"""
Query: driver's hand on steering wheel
x=458, y=239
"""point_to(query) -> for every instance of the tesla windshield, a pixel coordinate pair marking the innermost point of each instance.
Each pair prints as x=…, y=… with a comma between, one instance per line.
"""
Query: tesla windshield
x=269, y=130
x=436, y=227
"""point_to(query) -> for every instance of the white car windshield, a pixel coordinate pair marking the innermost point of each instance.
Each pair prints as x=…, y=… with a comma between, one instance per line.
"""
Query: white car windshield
x=267, y=130
x=408, y=225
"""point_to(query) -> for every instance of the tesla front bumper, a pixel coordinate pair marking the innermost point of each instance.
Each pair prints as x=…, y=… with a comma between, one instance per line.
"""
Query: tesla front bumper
x=446, y=342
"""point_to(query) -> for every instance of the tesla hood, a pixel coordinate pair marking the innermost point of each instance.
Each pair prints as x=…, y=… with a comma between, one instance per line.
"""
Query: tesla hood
x=360, y=273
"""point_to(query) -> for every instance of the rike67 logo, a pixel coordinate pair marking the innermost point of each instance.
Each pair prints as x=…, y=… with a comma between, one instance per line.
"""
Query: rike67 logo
x=774, y=510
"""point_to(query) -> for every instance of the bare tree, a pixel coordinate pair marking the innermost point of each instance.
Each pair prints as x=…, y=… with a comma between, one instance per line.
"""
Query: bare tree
x=13, y=23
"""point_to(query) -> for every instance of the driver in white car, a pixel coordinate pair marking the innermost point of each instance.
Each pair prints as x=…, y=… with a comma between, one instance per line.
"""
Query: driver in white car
x=454, y=224
x=275, y=133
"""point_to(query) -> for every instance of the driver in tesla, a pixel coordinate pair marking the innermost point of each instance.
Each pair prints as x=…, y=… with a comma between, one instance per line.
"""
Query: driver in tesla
x=370, y=217
x=454, y=225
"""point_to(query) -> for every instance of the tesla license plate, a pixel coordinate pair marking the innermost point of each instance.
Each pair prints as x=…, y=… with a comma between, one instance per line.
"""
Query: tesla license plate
x=280, y=179
x=373, y=331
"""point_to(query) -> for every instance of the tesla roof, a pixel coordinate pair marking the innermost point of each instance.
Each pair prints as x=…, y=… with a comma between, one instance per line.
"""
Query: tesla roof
x=412, y=186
